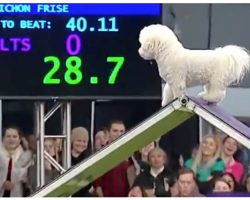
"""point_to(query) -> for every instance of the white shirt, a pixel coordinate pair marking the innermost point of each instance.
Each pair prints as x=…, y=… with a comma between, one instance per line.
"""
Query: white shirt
x=156, y=172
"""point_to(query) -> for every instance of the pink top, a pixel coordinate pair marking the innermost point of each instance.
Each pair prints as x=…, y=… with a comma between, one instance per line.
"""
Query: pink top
x=236, y=169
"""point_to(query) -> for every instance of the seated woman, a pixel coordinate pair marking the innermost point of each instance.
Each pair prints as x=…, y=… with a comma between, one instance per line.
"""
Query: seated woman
x=221, y=185
x=229, y=148
x=207, y=165
x=50, y=172
x=235, y=186
x=157, y=180
x=247, y=183
x=139, y=162
x=79, y=151
x=14, y=161
x=101, y=139
x=223, y=188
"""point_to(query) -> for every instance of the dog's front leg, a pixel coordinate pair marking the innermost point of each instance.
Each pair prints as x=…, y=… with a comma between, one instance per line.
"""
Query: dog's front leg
x=167, y=95
x=178, y=89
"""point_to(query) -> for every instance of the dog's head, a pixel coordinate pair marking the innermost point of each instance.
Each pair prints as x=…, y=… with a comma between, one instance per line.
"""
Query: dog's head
x=154, y=39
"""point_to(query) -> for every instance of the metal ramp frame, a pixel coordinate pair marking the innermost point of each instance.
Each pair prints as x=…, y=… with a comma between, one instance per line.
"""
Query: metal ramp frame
x=220, y=119
x=149, y=130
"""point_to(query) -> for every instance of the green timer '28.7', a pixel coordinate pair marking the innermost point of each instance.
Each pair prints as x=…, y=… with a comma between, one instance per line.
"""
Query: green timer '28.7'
x=74, y=74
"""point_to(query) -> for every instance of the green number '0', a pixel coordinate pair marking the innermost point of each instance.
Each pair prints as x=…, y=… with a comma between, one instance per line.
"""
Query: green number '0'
x=73, y=65
x=48, y=79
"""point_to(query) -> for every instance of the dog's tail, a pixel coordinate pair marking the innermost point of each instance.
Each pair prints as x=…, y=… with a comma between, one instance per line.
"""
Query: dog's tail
x=239, y=61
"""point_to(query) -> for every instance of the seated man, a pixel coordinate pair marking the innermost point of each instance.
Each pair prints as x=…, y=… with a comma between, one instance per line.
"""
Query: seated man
x=115, y=182
x=186, y=182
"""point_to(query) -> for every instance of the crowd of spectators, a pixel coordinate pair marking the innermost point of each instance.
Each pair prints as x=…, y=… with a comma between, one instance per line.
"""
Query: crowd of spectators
x=212, y=167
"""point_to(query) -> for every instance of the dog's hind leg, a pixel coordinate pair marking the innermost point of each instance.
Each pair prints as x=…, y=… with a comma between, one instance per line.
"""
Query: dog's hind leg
x=204, y=92
x=167, y=95
x=215, y=92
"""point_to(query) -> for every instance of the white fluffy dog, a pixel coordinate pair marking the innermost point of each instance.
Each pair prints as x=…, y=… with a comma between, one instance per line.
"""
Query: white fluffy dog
x=182, y=68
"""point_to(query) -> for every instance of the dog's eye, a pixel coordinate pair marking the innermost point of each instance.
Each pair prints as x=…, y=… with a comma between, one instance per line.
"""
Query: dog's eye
x=146, y=46
x=149, y=46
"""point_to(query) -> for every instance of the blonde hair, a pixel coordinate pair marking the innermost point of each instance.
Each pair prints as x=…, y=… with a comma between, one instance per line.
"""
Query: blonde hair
x=160, y=150
x=55, y=150
x=79, y=132
x=198, y=158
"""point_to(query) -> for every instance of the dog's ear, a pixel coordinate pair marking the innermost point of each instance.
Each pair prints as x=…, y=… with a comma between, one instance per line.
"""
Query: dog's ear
x=155, y=44
x=161, y=47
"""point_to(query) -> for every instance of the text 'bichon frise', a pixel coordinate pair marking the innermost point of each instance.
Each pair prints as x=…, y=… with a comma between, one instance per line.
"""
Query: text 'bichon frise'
x=181, y=68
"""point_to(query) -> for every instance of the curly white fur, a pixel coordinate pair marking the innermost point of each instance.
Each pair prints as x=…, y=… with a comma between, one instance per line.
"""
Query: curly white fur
x=181, y=68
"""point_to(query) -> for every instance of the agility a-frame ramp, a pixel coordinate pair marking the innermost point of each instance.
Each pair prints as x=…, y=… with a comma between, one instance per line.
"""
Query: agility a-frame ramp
x=149, y=130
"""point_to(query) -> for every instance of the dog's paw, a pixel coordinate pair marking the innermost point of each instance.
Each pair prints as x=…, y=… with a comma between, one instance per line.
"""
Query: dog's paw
x=201, y=94
x=166, y=100
x=164, y=103
x=212, y=98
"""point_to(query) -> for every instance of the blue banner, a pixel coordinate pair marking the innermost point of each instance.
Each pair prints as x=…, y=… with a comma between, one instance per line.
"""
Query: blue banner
x=80, y=9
